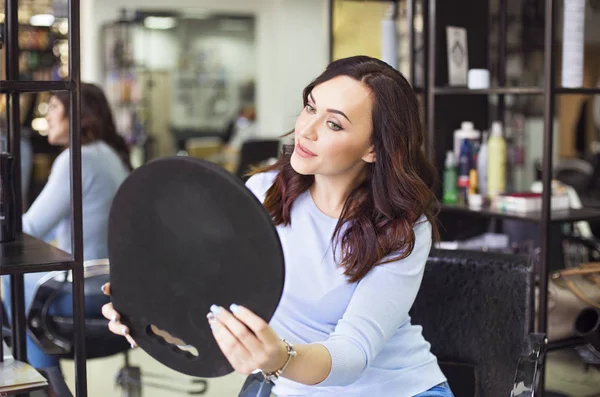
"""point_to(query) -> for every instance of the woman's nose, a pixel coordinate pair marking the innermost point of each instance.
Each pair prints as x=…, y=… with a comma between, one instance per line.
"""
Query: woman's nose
x=309, y=130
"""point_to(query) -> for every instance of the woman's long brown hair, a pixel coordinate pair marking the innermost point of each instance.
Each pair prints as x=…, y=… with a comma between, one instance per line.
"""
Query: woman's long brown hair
x=96, y=119
x=380, y=213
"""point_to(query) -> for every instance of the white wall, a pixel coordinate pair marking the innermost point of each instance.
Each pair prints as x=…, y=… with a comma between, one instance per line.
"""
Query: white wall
x=291, y=47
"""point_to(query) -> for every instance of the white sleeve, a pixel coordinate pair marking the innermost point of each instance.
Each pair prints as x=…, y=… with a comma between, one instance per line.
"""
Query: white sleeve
x=378, y=307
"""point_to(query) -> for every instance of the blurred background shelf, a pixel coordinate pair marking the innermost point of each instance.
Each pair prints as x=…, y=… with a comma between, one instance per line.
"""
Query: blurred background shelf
x=488, y=91
x=565, y=216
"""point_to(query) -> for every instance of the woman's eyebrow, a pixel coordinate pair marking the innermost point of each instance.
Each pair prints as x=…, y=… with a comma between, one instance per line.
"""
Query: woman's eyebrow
x=312, y=98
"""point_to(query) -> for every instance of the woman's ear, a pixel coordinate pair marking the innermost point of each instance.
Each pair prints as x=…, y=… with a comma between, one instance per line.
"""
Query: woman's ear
x=370, y=157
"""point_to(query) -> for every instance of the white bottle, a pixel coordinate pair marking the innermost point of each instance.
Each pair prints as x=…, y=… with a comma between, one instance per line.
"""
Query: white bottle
x=496, y=161
x=389, y=37
x=573, y=43
x=466, y=132
x=482, y=166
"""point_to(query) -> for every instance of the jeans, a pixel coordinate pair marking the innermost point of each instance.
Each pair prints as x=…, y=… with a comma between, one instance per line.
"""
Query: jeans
x=441, y=390
x=256, y=386
x=61, y=306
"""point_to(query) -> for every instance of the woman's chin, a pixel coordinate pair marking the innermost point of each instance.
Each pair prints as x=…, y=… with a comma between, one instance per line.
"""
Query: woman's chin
x=299, y=166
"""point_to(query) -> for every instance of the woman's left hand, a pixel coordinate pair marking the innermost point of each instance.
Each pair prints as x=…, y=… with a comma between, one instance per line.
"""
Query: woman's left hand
x=248, y=342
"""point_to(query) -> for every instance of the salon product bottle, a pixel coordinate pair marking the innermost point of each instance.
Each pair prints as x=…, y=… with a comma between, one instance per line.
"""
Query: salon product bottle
x=7, y=198
x=482, y=165
x=450, y=189
x=466, y=131
x=473, y=181
x=496, y=181
x=464, y=168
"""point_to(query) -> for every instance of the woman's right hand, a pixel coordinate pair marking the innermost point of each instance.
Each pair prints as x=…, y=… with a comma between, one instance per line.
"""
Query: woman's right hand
x=113, y=316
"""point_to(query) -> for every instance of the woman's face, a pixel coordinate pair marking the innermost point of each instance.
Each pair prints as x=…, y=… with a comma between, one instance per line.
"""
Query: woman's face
x=58, y=123
x=333, y=131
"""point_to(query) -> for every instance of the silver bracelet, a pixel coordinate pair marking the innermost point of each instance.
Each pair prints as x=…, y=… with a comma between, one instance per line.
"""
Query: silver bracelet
x=273, y=376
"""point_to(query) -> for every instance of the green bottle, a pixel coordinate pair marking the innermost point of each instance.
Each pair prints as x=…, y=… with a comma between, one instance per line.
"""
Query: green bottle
x=450, y=178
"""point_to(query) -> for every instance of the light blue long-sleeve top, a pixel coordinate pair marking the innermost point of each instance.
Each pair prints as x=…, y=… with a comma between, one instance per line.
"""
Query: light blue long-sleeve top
x=49, y=217
x=365, y=326
x=102, y=172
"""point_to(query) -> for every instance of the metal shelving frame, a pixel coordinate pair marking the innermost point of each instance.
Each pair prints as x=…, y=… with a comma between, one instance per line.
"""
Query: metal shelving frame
x=549, y=90
x=27, y=254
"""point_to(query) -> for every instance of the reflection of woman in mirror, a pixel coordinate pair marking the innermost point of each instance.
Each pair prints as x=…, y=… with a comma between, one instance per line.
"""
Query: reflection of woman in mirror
x=355, y=213
x=105, y=164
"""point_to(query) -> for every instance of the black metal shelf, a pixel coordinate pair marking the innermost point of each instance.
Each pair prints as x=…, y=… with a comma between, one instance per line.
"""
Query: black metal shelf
x=512, y=91
x=488, y=91
x=28, y=255
x=8, y=86
x=545, y=218
x=565, y=216
x=590, y=91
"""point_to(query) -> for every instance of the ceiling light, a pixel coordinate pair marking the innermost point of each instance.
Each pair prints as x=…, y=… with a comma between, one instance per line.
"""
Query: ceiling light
x=39, y=124
x=161, y=23
x=42, y=20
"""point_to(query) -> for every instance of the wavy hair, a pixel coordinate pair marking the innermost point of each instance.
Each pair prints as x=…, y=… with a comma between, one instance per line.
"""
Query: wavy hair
x=377, y=220
x=96, y=119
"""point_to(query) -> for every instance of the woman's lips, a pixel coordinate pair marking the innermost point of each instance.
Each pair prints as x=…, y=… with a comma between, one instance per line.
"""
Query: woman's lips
x=302, y=152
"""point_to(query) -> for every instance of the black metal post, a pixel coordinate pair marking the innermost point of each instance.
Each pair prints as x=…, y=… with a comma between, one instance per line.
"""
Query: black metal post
x=17, y=287
x=549, y=92
x=502, y=11
x=19, y=331
x=547, y=161
x=13, y=106
x=429, y=75
x=76, y=198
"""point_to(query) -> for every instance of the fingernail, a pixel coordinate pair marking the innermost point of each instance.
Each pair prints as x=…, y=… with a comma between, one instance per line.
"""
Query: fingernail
x=114, y=317
x=103, y=287
x=124, y=331
x=210, y=317
x=132, y=346
x=215, y=309
x=234, y=308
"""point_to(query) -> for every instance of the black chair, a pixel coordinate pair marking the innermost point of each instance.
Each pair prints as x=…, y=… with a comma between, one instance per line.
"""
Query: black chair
x=476, y=309
x=254, y=152
x=54, y=334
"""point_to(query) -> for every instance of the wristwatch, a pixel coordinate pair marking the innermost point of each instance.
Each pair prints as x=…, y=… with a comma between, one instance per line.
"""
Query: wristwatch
x=273, y=376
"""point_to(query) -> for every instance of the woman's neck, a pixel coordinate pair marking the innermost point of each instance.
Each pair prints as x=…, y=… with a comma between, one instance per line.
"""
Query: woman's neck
x=330, y=193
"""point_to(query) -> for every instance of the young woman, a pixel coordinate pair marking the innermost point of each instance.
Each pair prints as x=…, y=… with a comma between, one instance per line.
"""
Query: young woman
x=354, y=210
x=105, y=164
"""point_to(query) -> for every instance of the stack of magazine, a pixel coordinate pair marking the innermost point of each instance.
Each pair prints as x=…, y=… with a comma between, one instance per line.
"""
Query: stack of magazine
x=18, y=377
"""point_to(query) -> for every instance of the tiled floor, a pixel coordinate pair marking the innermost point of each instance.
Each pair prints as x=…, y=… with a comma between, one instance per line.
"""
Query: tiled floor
x=102, y=374
x=565, y=374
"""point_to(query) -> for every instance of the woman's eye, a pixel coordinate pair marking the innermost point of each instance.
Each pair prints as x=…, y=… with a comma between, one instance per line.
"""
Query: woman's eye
x=310, y=108
x=334, y=126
